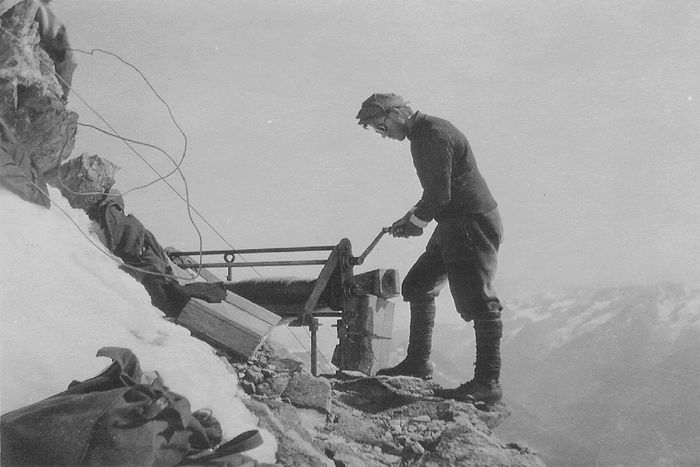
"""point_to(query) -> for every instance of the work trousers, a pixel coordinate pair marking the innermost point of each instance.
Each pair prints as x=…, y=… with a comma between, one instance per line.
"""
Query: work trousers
x=462, y=252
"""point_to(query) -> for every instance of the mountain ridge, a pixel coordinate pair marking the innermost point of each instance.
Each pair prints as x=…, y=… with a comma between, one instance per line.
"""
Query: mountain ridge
x=614, y=360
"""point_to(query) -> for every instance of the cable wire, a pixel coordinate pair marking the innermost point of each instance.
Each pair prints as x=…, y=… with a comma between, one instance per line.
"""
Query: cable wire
x=177, y=168
x=96, y=245
x=161, y=177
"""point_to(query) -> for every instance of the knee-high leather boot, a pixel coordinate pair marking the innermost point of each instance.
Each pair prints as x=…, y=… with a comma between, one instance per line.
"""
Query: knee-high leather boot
x=488, y=349
x=485, y=387
x=417, y=362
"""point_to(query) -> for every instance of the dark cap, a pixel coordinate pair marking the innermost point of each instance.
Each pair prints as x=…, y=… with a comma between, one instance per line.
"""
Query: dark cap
x=376, y=104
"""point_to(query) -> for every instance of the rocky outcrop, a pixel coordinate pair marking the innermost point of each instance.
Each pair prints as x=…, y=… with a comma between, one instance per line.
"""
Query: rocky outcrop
x=38, y=132
x=83, y=180
x=371, y=421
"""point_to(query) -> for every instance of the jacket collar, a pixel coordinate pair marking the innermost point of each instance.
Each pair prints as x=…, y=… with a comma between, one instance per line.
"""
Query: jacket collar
x=416, y=119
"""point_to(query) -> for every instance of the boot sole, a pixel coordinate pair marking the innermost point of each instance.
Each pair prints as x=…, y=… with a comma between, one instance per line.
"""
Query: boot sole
x=425, y=378
x=468, y=399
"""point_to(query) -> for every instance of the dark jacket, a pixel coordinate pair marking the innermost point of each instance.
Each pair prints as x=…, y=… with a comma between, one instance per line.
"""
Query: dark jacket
x=445, y=164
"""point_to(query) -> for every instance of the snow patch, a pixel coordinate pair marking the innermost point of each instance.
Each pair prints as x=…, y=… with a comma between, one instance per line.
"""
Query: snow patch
x=563, y=303
x=64, y=298
x=679, y=315
x=582, y=323
x=534, y=314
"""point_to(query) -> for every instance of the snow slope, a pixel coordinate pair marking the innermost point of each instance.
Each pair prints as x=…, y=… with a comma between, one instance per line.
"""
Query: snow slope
x=63, y=298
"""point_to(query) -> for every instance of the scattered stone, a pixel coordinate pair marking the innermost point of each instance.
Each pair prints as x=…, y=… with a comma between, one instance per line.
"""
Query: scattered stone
x=396, y=426
x=308, y=391
x=421, y=419
x=248, y=387
x=286, y=364
x=253, y=375
x=413, y=449
x=280, y=383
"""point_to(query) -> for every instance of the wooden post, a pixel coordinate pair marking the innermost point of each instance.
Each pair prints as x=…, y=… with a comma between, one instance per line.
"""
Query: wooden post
x=313, y=327
x=365, y=336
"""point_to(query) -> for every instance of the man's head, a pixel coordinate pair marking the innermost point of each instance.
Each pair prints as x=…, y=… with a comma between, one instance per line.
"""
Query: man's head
x=388, y=114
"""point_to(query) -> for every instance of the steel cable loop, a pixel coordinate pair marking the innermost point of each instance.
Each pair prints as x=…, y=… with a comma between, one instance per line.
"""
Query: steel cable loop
x=121, y=264
x=161, y=177
x=96, y=245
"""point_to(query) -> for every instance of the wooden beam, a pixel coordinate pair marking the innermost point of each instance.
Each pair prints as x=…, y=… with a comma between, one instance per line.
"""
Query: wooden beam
x=319, y=286
x=365, y=336
x=380, y=282
x=235, y=324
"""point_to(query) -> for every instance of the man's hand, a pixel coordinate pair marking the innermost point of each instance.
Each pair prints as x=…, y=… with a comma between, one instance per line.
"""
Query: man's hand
x=405, y=228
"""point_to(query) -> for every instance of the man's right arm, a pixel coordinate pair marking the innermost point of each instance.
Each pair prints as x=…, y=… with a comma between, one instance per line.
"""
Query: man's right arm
x=433, y=162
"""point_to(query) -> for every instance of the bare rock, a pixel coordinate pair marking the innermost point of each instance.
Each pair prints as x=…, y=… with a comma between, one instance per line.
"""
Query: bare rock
x=399, y=421
x=248, y=387
x=278, y=383
x=253, y=375
x=38, y=130
x=304, y=390
x=376, y=394
x=375, y=421
x=45, y=130
x=462, y=445
x=295, y=447
x=82, y=180
x=22, y=62
x=20, y=176
x=285, y=364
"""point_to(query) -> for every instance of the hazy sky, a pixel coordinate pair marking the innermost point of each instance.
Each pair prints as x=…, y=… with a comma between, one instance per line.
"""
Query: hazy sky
x=583, y=116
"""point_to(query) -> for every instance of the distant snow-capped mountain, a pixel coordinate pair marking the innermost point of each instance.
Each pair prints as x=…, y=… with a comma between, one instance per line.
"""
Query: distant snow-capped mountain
x=615, y=370
x=668, y=309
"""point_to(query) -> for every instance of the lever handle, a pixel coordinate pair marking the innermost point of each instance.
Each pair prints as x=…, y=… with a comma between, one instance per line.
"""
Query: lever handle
x=361, y=259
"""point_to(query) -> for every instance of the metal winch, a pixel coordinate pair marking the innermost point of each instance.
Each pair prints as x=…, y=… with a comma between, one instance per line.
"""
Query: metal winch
x=360, y=302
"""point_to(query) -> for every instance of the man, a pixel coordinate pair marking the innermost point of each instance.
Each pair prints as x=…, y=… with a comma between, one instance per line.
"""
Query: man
x=462, y=250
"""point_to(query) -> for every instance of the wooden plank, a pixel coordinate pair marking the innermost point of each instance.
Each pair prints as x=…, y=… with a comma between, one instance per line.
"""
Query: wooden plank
x=235, y=324
x=260, y=313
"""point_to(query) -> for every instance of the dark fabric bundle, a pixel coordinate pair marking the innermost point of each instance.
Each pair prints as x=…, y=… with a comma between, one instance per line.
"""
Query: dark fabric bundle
x=128, y=238
x=110, y=419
